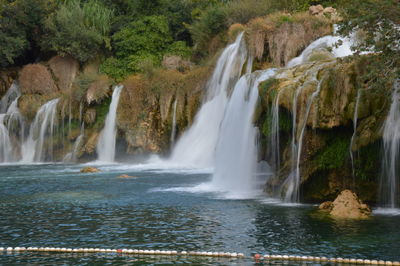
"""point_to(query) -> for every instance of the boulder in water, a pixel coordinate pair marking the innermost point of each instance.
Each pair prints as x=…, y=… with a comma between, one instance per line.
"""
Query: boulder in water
x=90, y=170
x=346, y=206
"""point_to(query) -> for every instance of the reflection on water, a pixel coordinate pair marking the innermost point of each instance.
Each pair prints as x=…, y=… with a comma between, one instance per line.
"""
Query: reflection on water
x=55, y=205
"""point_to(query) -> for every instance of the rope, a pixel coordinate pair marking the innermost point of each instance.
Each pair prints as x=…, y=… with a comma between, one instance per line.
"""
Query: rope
x=256, y=257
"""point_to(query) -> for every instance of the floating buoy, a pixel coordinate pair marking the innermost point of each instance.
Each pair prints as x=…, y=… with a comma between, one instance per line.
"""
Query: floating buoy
x=257, y=256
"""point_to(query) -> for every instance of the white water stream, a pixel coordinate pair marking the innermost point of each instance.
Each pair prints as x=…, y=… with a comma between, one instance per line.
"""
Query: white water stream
x=390, y=180
x=34, y=149
x=107, y=138
x=196, y=147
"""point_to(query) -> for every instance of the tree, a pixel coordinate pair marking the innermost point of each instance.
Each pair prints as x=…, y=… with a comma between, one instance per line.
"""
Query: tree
x=378, y=22
x=21, y=24
x=79, y=29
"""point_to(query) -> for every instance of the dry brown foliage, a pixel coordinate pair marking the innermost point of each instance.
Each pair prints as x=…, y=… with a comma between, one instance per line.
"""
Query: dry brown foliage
x=284, y=35
x=64, y=69
x=36, y=79
x=98, y=90
x=234, y=30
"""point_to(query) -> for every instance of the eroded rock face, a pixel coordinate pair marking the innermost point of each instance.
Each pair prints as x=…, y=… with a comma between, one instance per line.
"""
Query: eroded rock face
x=175, y=62
x=346, y=206
x=65, y=70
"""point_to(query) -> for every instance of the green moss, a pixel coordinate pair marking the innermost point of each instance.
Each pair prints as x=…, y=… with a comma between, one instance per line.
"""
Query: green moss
x=367, y=162
x=101, y=111
x=285, y=123
x=267, y=85
x=334, y=154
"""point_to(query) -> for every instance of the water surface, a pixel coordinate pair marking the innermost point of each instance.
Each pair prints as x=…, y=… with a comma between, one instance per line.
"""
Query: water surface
x=55, y=205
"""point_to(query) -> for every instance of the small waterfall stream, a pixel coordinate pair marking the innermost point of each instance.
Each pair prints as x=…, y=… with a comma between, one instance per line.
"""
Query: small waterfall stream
x=390, y=180
x=10, y=121
x=42, y=128
x=355, y=120
x=5, y=142
x=107, y=138
x=291, y=186
x=196, y=147
x=173, y=131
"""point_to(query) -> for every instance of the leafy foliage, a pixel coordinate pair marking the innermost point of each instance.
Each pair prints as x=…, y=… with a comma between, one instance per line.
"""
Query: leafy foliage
x=78, y=29
x=378, y=22
x=20, y=27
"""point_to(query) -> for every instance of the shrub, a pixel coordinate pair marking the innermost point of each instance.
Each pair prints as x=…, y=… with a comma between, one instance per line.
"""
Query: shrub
x=149, y=35
x=179, y=48
x=36, y=79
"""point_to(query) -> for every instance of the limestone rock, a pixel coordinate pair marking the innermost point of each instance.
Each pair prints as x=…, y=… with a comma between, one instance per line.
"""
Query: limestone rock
x=326, y=206
x=90, y=170
x=65, y=70
x=126, y=176
x=316, y=10
x=347, y=205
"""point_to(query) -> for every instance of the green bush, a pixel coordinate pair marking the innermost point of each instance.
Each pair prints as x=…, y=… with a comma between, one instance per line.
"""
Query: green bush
x=21, y=28
x=79, y=29
x=179, y=48
x=148, y=35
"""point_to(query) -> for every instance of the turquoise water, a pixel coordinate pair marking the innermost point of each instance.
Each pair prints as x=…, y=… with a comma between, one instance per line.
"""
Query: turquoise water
x=55, y=205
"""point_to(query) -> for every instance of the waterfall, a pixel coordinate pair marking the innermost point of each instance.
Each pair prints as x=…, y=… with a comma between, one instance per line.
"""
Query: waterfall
x=12, y=93
x=42, y=128
x=173, y=131
x=274, y=140
x=5, y=142
x=291, y=186
x=72, y=156
x=355, y=119
x=237, y=149
x=196, y=147
x=327, y=42
x=390, y=180
x=10, y=121
x=107, y=139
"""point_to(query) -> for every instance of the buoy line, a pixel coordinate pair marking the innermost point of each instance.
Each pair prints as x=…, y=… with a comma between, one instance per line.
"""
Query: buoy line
x=256, y=257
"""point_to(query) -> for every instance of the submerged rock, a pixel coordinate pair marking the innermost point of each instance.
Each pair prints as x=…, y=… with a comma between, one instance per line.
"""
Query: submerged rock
x=346, y=206
x=126, y=176
x=90, y=170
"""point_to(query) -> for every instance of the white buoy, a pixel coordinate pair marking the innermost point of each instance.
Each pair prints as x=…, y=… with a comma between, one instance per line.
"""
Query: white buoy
x=396, y=263
x=381, y=262
x=184, y=252
x=389, y=263
x=240, y=255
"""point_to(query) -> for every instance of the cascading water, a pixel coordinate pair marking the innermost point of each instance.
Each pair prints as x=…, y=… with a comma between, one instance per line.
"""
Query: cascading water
x=72, y=156
x=10, y=121
x=173, y=131
x=196, y=147
x=355, y=119
x=107, y=139
x=34, y=148
x=237, y=149
x=291, y=185
x=5, y=142
x=12, y=93
x=390, y=180
x=342, y=50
